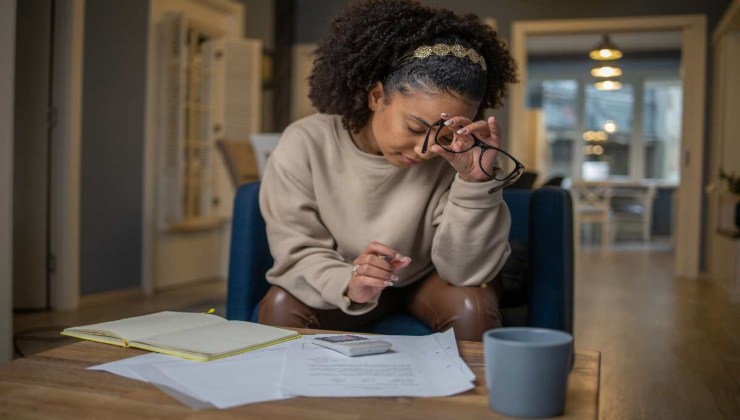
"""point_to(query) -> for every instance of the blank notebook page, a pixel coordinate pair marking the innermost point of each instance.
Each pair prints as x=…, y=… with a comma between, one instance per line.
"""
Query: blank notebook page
x=226, y=337
x=144, y=326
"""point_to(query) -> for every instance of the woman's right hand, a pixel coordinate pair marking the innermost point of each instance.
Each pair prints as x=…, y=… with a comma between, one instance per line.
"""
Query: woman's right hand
x=374, y=270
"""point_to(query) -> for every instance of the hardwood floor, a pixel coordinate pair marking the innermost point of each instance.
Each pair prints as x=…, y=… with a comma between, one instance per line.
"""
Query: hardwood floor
x=670, y=347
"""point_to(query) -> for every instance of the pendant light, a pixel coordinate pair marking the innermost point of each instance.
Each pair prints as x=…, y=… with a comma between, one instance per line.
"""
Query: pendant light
x=606, y=71
x=608, y=84
x=605, y=50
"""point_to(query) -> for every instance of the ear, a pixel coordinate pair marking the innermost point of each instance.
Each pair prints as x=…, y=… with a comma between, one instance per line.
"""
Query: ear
x=375, y=97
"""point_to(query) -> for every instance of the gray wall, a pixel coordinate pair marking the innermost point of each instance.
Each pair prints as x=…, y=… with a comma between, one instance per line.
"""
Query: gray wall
x=113, y=144
x=7, y=70
x=30, y=154
x=314, y=15
x=259, y=20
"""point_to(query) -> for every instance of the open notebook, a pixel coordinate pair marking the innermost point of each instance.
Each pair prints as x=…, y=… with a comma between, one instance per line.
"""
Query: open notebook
x=195, y=336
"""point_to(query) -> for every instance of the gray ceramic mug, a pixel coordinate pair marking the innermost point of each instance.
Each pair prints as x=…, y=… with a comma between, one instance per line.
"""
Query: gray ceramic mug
x=527, y=370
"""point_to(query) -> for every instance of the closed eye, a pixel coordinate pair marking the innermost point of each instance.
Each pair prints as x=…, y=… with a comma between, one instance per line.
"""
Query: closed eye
x=416, y=131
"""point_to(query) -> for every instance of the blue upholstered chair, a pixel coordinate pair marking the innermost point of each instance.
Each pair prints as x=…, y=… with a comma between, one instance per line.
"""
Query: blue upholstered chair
x=538, y=278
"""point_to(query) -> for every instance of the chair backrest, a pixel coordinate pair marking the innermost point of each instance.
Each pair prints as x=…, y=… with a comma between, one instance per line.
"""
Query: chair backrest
x=591, y=197
x=249, y=256
x=240, y=160
x=263, y=144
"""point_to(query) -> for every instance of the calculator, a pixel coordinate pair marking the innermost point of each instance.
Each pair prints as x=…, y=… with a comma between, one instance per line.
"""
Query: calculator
x=352, y=345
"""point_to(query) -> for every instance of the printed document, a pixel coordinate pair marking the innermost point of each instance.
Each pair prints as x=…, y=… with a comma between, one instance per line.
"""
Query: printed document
x=427, y=366
x=413, y=367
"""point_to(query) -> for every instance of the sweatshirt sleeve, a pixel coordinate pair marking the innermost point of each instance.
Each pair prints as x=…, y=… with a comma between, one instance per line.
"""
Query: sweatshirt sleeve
x=306, y=261
x=471, y=242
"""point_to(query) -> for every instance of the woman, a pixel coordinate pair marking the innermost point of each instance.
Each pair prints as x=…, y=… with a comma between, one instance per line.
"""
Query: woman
x=390, y=199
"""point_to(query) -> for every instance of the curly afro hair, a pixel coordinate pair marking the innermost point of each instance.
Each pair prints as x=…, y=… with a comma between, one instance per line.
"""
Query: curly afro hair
x=367, y=43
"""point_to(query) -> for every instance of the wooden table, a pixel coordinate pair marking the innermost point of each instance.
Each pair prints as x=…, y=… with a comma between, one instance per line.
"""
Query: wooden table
x=55, y=385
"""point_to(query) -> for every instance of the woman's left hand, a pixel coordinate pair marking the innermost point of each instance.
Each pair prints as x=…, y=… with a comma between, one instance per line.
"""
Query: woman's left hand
x=466, y=164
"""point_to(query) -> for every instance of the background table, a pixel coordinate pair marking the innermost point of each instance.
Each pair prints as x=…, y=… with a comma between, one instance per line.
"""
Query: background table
x=54, y=384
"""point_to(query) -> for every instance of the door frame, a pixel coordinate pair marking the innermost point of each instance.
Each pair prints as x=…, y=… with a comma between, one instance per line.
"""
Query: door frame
x=7, y=95
x=694, y=47
x=66, y=147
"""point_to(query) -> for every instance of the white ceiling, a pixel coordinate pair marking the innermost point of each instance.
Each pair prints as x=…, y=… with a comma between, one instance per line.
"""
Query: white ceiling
x=583, y=43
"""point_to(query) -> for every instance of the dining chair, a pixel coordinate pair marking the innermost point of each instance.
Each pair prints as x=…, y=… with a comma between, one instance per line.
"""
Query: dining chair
x=632, y=207
x=592, y=205
x=239, y=159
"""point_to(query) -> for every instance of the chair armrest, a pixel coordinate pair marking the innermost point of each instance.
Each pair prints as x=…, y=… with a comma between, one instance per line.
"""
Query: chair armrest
x=551, y=259
x=249, y=257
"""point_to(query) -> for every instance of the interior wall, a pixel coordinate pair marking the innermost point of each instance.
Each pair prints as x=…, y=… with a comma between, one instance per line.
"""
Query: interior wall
x=302, y=64
x=259, y=21
x=114, y=89
x=7, y=72
x=31, y=154
x=722, y=249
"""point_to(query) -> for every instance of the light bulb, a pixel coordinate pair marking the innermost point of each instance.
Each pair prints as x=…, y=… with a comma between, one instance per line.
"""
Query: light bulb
x=606, y=71
x=610, y=126
x=608, y=85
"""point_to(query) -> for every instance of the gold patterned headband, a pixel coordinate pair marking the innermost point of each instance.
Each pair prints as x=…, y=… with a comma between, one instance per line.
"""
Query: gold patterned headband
x=442, y=50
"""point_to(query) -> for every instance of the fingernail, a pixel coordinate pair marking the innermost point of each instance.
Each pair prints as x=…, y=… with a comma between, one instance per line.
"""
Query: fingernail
x=399, y=257
x=462, y=131
x=408, y=258
x=394, y=277
x=444, y=115
x=449, y=122
x=387, y=283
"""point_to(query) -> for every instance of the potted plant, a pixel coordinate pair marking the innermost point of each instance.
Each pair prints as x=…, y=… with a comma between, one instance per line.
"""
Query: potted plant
x=731, y=184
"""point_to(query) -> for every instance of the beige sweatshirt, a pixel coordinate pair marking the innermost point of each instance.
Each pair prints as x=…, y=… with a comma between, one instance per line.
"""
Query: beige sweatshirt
x=324, y=201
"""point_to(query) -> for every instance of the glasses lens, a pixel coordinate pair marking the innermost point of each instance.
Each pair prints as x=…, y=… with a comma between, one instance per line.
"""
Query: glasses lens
x=497, y=165
x=445, y=137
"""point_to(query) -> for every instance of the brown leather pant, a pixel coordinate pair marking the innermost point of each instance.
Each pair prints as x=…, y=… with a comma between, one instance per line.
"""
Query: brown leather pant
x=440, y=305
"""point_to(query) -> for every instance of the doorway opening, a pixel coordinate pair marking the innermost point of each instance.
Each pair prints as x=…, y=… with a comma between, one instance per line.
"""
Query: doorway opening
x=618, y=147
x=692, y=30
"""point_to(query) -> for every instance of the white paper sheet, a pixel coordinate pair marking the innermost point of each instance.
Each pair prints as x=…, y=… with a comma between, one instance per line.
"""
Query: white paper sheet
x=449, y=344
x=238, y=380
x=123, y=367
x=242, y=379
x=414, y=367
x=155, y=376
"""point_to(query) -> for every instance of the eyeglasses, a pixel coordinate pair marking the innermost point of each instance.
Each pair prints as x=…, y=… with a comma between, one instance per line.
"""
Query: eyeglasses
x=497, y=163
